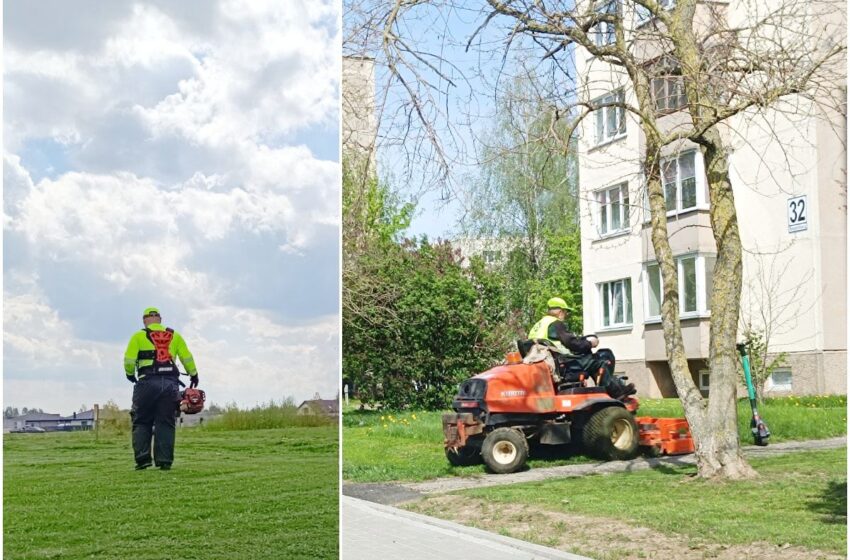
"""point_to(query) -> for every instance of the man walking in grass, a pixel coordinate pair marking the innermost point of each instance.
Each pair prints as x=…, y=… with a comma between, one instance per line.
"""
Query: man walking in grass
x=151, y=355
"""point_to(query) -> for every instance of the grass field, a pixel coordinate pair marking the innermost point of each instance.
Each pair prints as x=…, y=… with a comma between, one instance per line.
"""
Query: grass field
x=231, y=495
x=799, y=499
x=384, y=446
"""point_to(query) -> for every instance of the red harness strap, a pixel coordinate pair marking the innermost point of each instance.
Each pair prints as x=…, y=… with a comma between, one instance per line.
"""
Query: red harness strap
x=161, y=341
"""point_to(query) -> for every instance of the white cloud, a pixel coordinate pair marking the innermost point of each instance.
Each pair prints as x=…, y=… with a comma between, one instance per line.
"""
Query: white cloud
x=35, y=337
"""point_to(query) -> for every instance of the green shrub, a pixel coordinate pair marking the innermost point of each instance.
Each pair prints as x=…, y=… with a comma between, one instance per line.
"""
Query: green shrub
x=434, y=324
x=113, y=420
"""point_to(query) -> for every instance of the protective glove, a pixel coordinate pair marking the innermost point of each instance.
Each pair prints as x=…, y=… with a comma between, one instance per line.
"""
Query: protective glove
x=194, y=381
x=131, y=378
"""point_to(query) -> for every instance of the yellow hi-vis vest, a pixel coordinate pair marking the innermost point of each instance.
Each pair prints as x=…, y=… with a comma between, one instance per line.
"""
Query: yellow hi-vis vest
x=541, y=330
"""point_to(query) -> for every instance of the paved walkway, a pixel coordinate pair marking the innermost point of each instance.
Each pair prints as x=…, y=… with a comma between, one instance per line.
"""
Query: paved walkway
x=371, y=531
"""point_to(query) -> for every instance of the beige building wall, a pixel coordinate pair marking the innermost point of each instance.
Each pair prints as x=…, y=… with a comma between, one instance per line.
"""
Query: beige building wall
x=794, y=281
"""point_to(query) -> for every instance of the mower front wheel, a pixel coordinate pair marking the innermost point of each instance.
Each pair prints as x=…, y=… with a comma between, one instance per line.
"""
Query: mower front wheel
x=505, y=450
x=611, y=434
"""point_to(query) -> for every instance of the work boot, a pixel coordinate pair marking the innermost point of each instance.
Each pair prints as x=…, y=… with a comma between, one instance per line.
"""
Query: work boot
x=626, y=390
x=621, y=391
x=143, y=466
x=164, y=467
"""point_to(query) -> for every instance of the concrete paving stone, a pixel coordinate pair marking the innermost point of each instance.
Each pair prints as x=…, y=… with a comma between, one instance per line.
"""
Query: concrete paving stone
x=371, y=531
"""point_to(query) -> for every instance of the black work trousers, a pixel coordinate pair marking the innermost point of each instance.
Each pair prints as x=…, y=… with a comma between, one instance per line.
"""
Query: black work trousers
x=155, y=399
x=589, y=365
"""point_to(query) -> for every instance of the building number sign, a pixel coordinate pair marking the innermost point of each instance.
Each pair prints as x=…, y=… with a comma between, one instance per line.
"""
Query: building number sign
x=798, y=214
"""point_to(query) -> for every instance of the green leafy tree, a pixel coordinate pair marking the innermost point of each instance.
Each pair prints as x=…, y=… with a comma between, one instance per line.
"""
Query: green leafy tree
x=526, y=199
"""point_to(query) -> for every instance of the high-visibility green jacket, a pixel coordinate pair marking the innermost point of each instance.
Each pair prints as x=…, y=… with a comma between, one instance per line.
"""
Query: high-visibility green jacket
x=541, y=330
x=139, y=341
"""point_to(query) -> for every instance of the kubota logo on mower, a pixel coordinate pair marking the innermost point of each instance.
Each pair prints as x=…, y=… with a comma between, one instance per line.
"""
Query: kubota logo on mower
x=520, y=393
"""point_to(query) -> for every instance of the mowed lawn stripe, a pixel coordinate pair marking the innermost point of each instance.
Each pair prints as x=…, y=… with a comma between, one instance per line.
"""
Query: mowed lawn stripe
x=241, y=494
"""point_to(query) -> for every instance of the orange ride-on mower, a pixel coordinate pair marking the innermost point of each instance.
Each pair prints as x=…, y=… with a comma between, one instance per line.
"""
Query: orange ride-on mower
x=502, y=411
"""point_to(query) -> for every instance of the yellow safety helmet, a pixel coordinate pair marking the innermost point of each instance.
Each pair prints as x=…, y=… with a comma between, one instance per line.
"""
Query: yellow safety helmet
x=558, y=303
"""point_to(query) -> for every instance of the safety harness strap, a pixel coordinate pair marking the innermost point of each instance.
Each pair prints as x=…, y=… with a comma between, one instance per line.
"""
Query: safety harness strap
x=163, y=361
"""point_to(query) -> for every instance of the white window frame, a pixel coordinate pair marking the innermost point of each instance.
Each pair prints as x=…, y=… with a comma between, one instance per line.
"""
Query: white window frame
x=701, y=194
x=604, y=33
x=681, y=99
x=604, y=207
x=701, y=288
x=771, y=386
x=620, y=129
x=699, y=182
x=491, y=256
x=628, y=308
x=704, y=378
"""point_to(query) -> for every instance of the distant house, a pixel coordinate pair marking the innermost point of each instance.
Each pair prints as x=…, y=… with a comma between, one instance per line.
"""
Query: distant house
x=328, y=407
x=49, y=422
x=77, y=421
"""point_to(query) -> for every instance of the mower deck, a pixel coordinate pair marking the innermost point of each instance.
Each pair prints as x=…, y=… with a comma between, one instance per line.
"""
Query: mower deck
x=659, y=436
x=665, y=436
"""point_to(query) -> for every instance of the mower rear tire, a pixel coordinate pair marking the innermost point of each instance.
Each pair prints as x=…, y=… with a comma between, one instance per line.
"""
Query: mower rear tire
x=505, y=450
x=611, y=434
x=466, y=456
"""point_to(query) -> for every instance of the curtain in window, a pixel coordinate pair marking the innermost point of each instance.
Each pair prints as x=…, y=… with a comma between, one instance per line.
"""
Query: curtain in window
x=687, y=176
x=614, y=201
x=688, y=271
x=653, y=274
x=668, y=171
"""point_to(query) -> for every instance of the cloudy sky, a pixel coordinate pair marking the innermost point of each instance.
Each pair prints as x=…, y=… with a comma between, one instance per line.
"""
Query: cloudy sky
x=174, y=154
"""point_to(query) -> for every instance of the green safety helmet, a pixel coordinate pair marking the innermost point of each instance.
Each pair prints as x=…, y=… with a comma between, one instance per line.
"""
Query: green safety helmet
x=558, y=303
x=150, y=311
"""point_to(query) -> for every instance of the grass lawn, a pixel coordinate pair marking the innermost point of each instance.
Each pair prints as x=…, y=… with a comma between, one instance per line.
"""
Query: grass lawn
x=385, y=446
x=231, y=495
x=799, y=499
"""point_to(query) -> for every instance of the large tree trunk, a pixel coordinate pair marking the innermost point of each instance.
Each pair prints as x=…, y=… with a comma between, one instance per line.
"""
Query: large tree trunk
x=692, y=400
x=718, y=450
x=722, y=457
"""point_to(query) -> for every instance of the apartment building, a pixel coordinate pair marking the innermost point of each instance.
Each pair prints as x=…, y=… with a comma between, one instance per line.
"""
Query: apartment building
x=788, y=169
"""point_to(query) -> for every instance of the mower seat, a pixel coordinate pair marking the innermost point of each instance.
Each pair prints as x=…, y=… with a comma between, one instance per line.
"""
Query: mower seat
x=524, y=346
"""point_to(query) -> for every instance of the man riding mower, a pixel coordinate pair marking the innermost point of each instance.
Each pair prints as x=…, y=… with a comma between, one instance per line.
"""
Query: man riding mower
x=554, y=391
x=573, y=355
